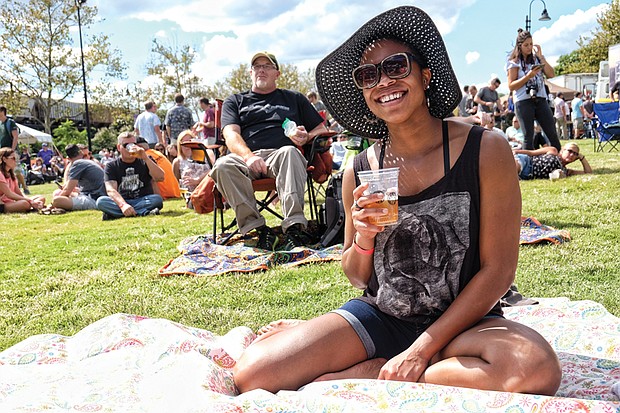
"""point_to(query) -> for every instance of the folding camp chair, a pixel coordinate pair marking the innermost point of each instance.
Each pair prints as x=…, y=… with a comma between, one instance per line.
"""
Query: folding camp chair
x=317, y=152
x=608, y=130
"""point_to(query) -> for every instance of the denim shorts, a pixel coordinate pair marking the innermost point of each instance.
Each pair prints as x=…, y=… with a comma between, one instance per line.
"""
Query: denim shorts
x=383, y=335
x=526, y=166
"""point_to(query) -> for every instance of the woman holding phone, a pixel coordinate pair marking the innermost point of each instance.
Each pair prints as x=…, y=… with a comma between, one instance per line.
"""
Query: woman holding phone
x=526, y=67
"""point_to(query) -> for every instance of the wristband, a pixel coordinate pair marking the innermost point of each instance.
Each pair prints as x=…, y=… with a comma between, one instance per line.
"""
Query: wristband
x=361, y=250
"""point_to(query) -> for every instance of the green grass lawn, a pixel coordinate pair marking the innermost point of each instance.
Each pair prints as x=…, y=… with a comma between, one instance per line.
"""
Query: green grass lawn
x=60, y=273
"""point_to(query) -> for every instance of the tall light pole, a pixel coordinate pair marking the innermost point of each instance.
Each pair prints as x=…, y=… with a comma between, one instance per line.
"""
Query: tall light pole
x=78, y=4
x=543, y=17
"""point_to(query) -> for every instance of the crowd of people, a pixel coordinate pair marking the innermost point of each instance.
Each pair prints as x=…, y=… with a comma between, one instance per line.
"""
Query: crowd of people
x=531, y=120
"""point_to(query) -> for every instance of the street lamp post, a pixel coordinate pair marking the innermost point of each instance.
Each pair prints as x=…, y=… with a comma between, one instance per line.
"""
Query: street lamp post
x=543, y=17
x=78, y=4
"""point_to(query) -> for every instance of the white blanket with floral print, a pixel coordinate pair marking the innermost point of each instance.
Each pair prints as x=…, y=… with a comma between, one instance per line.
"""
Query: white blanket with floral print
x=126, y=363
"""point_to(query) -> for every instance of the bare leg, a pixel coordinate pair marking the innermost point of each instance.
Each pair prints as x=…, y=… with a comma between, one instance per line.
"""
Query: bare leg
x=497, y=354
x=299, y=354
x=368, y=369
x=17, y=206
x=63, y=202
x=276, y=327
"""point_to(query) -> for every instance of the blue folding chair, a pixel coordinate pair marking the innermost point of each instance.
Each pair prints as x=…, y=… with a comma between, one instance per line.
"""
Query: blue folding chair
x=608, y=129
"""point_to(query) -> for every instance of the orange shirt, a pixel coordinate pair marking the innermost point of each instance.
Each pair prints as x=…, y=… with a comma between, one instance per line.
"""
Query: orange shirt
x=169, y=187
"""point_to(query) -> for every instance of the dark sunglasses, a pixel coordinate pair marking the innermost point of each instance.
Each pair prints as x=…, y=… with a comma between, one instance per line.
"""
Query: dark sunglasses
x=572, y=152
x=127, y=143
x=396, y=66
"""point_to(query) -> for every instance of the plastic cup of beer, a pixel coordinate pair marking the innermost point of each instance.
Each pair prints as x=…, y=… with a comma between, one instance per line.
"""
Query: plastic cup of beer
x=132, y=148
x=382, y=181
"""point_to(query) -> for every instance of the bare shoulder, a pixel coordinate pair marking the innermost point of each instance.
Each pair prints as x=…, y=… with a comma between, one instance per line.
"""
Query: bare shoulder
x=494, y=146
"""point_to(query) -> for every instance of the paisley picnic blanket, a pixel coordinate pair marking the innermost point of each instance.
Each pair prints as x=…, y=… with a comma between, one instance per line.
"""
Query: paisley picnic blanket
x=201, y=257
x=128, y=363
x=533, y=232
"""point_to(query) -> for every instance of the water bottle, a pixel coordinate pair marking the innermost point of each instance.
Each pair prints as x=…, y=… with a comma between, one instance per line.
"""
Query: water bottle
x=290, y=127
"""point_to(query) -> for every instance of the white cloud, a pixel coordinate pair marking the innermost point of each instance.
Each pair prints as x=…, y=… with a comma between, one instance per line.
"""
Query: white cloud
x=472, y=57
x=227, y=33
x=560, y=38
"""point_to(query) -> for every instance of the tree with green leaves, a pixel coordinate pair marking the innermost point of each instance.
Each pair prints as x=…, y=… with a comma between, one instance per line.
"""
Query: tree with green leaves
x=40, y=63
x=593, y=49
x=67, y=133
x=172, y=64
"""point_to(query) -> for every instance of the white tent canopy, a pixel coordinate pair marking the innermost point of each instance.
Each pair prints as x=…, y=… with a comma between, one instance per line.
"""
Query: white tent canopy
x=29, y=136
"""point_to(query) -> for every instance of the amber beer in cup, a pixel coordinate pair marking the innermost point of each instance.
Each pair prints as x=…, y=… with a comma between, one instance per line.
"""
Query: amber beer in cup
x=384, y=181
x=132, y=148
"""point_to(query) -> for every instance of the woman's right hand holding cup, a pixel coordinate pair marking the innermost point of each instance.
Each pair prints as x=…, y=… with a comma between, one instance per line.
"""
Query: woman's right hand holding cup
x=360, y=212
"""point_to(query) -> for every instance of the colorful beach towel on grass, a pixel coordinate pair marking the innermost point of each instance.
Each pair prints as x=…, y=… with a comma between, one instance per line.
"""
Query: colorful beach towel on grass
x=201, y=257
x=533, y=232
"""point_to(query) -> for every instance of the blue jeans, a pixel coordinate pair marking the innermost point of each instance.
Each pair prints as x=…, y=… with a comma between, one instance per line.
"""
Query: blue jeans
x=142, y=205
x=526, y=166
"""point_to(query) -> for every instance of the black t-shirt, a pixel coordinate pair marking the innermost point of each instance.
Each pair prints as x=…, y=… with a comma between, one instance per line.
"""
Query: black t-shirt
x=133, y=179
x=261, y=116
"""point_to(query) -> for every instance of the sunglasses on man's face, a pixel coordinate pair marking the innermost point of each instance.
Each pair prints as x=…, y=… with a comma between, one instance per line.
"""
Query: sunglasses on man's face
x=571, y=152
x=396, y=66
x=124, y=145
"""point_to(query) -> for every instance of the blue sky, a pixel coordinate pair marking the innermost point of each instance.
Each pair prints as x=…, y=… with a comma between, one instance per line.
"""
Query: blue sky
x=478, y=33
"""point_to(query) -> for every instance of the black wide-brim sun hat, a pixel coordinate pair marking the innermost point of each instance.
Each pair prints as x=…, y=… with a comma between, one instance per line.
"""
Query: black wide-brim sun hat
x=408, y=24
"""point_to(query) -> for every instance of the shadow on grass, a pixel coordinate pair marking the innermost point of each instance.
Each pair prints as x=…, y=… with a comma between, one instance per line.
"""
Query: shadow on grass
x=567, y=224
x=174, y=213
x=606, y=171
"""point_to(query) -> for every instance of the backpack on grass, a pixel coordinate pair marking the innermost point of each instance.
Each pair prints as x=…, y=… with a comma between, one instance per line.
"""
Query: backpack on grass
x=331, y=213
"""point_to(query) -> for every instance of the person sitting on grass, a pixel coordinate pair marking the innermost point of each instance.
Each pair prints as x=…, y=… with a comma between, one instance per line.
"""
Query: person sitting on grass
x=169, y=187
x=431, y=282
x=84, y=183
x=539, y=163
x=188, y=173
x=130, y=182
x=10, y=194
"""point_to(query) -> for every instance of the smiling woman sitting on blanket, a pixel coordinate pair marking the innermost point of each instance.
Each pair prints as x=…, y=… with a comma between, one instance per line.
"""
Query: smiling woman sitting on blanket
x=432, y=283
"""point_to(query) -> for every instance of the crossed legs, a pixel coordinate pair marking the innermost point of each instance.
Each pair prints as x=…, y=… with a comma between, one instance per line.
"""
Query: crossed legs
x=496, y=354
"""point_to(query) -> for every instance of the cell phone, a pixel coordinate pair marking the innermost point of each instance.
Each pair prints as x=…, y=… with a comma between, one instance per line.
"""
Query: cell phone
x=540, y=65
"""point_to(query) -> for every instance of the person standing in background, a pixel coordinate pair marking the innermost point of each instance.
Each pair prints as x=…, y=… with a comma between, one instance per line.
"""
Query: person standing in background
x=206, y=126
x=471, y=107
x=526, y=81
x=148, y=125
x=9, y=135
x=462, y=108
x=488, y=98
x=178, y=119
x=577, y=115
x=561, y=110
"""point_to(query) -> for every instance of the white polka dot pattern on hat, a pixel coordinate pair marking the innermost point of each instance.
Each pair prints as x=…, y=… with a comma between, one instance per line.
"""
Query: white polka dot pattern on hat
x=345, y=102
